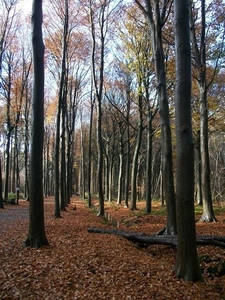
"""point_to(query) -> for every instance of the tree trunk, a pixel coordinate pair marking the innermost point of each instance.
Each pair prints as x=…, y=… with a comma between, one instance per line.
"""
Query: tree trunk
x=60, y=180
x=155, y=25
x=198, y=171
x=1, y=198
x=128, y=159
x=107, y=169
x=100, y=160
x=26, y=143
x=111, y=181
x=56, y=163
x=63, y=197
x=89, y=151
x=187, y=265
x=120, y=178
x=200, y=60
x=36, y=235
x=159, y=240
x=83, y=177
x=134, y=172
x=98, y=88
x=149, y=163
x=208, y=213
x=6, y=190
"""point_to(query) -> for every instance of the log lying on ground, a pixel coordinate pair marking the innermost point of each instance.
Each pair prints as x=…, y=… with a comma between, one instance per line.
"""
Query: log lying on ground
x=141, y=238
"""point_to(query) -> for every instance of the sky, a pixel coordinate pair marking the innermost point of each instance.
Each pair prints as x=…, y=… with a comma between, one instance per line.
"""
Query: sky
x=25, y=6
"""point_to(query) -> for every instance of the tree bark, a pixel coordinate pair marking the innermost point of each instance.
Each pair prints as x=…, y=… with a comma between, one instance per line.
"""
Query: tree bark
x=198, y=170
x=120, y=178
x=156, y=20
x=1, y=198
x=127, y=176
x=200, y=60
x=149, y=163
x=187, y=265
x=36, y=235
x=160, y=240
x=60, y=180
x=89, y=149
x=98, y=88
x=134, y=172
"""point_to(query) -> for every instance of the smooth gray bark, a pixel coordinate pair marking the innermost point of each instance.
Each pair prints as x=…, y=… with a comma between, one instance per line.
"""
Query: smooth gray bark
x=200, y=61
x=187, y=265
x=156, y=18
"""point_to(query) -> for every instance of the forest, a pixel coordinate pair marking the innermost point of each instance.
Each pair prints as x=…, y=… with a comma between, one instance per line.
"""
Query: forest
x=122, y=101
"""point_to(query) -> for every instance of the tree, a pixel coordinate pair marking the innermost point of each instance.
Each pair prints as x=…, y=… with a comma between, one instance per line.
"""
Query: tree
x=200, y=74
x=1, y=198
x=60, y=180
x=92, y=102
x=187, y=266
x=8, y=28
x=97, y=78
x=156, y=18
x=36, y=235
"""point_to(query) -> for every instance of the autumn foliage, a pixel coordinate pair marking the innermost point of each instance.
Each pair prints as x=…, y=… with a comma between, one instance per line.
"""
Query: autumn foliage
x=81, y=265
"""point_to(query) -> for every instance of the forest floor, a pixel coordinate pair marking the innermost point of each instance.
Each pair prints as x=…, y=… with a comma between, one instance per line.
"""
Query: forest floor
x=82, y=265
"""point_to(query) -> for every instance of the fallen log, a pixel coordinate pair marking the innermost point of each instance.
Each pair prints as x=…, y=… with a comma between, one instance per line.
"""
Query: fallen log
x=141, y=238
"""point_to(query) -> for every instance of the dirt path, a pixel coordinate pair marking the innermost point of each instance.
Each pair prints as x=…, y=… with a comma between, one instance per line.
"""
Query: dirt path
x=14, y=212
x=80, y=265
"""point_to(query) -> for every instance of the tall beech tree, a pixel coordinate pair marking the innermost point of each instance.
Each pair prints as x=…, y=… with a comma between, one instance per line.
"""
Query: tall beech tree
x=199, y=38
x=98, y=51
x=36, y=235
x=156, y=16
x=61, y=113
x=187, y=265
x=1, y=198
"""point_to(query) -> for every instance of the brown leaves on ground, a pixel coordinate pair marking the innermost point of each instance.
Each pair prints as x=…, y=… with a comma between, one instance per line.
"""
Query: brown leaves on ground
x=81, y=265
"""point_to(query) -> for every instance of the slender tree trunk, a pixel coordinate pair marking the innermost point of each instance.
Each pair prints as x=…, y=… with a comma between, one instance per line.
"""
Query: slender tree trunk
x=208, y=213
x=149, y=164
x=56, y=163
x=198, y=171
x=59, y=181
x=83, y=179
x=26, y=144
x=63, y=156
x=127, y=179
x=107, y=168
x=6, y=190
x=110, y=181
x=187, y=265
x=134, y=172
x=98, y=88
x=120, y=179
x=89, y=153
x=69, y=167
x=155, y=25
x=100, y=160
x=200, y=60
x=1, y=198
x=36, y=235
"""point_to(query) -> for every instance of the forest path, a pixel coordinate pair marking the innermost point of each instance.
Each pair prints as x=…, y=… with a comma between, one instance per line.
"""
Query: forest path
x=81, y=265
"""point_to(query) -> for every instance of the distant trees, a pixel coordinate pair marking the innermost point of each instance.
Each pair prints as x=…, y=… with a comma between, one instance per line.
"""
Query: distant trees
x=202, y=32
x=1, y=198
x=156, y=17
x=109, y=103
x=15, y=68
